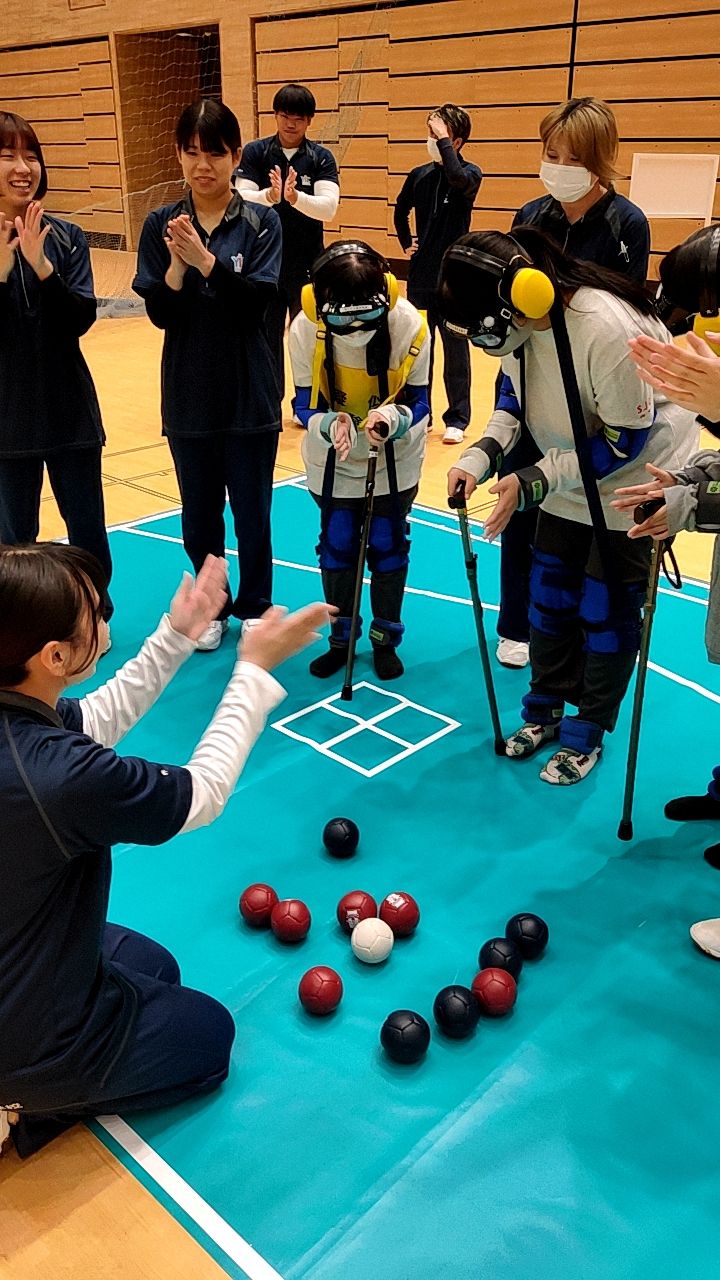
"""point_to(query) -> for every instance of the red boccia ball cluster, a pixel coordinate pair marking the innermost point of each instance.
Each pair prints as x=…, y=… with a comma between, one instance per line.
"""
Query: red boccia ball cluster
x=320, y=990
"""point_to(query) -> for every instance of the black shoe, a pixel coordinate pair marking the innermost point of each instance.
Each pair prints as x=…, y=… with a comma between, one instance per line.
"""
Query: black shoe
x=387, y=664
x=328, y=663
x=693, y=809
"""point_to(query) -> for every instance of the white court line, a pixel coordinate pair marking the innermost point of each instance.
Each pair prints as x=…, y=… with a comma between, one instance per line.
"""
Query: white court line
x=437, y=595
x=218, y=1230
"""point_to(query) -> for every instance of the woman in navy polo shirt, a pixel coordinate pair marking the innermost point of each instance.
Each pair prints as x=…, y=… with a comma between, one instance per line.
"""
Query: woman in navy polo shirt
x=49, y=413
x=92, y=1016
x=208, y=266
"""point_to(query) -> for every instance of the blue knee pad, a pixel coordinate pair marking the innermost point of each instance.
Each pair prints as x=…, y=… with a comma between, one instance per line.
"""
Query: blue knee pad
x=555, y=591
x=612, y=623
x=388, y=544
x=384, y=634
x=339, y=540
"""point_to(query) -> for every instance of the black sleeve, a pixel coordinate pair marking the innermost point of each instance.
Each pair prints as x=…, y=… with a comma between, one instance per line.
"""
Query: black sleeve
x=405, y=202
x=463, y=178
x=108, y=799
x=70, y=312
x=248, y=299
x=636, y=242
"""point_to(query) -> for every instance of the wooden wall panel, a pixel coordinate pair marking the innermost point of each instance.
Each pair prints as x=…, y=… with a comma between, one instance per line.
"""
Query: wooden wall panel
x=61, y=89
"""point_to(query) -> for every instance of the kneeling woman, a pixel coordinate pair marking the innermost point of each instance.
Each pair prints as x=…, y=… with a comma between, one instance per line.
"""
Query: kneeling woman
x=360, y=356
x=93, y=1017
x=586, y=585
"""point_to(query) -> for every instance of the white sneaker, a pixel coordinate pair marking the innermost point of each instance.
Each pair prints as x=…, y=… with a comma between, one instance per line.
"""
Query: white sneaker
x=706, y=935
x=211, y=636
x=513, y=653
x=296, y=421
x=567, y=767
x=453, y=435
x=248, y=624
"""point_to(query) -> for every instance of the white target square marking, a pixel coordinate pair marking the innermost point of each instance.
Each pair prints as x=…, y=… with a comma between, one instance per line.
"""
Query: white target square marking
x=376, y=730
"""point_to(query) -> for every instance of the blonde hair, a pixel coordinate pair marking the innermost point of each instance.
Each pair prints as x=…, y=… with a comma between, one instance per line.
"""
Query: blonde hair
x=590, y=128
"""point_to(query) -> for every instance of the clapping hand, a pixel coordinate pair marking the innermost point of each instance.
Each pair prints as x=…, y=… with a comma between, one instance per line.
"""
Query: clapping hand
x=188, y=245
x=31, y=237
x=8, y=244
x=198, y=601
x=291, y=192
x=275, y=192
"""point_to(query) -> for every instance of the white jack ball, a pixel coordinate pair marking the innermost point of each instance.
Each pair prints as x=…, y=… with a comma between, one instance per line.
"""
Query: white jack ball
x=372, y=940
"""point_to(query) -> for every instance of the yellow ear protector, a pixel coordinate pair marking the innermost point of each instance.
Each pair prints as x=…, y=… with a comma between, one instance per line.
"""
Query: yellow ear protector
x=349, y=312
x=707, y=319
x=528, y=291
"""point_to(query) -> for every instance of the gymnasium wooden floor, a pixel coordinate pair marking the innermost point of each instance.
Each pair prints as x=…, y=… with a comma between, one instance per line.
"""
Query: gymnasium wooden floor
x=74, y=1212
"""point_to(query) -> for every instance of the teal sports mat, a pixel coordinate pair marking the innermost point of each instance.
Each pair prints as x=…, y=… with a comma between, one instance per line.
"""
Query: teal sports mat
x=576, y=1138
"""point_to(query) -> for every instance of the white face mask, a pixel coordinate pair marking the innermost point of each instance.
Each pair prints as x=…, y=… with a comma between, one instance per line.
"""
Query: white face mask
x=566, y=182
x=434, y=150
x=515, y=339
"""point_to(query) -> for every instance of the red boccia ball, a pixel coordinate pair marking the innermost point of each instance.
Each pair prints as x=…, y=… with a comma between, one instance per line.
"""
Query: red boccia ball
x=354, y=907
x=256, y=903
x=495, y=991
x=320, y=990
x=401, y=912
x=290, y=920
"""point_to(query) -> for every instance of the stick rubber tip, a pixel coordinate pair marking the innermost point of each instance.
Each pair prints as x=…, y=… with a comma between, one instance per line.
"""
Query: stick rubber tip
x=346, y=693
x=500, y=747
x=625, y=830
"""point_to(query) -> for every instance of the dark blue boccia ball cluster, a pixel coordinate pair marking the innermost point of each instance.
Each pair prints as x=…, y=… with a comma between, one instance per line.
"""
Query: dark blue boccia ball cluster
x=405, y=1034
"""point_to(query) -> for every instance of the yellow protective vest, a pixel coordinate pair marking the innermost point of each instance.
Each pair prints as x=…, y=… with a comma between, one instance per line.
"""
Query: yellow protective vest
x=357, y=391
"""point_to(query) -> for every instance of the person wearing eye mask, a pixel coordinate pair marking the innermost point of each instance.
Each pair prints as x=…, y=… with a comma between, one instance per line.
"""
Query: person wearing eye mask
x=585, y=620
x=585, y=215
x=442, y=194
x=360, y=357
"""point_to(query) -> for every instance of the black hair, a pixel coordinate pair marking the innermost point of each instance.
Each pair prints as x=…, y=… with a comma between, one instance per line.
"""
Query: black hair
x=45, y=592
x=457, y=120
x=295, y=100
x=215, y=125
x=467, y=294
x=354, y=277
x=683, y=269
x=16, y=132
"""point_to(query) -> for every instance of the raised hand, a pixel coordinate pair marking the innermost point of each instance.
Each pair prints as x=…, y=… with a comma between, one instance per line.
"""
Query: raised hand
x=198, y=601
x=689, y=376
x=291, y=193
x=275, y=190
x=279, y=634
x=31, y=239
x=8, y=244
x=438, y=127
x=189, y=246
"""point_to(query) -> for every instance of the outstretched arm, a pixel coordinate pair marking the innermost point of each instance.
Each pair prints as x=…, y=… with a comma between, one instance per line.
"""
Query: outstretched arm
x=111, y=711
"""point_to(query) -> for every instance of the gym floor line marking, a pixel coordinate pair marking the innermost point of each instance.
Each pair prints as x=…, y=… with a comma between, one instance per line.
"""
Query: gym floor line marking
x=203, y=1215
x=437, y=595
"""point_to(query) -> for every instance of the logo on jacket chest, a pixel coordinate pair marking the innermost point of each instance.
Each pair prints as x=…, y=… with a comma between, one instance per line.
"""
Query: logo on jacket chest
x=237, y=260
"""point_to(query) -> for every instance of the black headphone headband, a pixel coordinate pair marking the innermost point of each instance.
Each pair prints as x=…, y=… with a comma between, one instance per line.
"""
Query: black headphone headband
x=709, y=270
x=341, y=249
x=467, y=253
